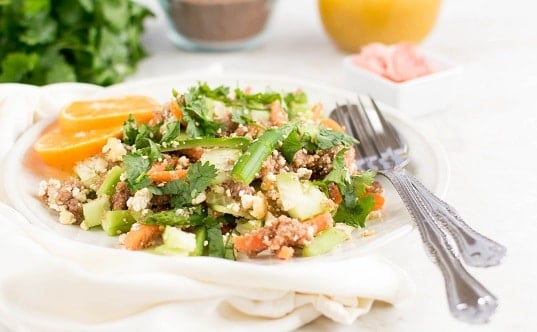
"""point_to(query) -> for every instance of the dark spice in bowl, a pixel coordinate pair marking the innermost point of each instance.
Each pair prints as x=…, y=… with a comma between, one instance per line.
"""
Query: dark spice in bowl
x=219, y=20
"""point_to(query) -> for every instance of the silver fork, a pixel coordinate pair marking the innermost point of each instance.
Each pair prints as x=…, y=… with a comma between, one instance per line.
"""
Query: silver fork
x=382, y=149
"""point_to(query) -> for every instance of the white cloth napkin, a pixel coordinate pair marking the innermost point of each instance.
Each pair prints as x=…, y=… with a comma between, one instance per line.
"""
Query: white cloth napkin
x=49, y=283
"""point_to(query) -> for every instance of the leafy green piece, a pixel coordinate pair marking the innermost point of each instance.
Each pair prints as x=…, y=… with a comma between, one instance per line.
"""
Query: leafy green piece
x=44, y=41
x=199, y=176
x=338, y=174
x=327, y=138
x=216, y=246
x=355, y=206
x=259, y=100
x=291, y=145
x=199, y=121
x=220, y=93
x=136, y=167
x=296, y=104
x=354, y=211
x=171, y=131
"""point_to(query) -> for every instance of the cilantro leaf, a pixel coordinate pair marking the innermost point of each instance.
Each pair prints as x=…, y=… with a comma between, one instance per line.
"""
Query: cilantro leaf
x=291, y=145
x=171, y=131
x=196, y=115
x=355, y=207
x=45, y=41
x=199, y=176
x=216, y=242
x=220, y=93
x=296, y=104
x=338, y=174
x=354, y=211
x=327, y=138
x=259, y=100
x=136, y=167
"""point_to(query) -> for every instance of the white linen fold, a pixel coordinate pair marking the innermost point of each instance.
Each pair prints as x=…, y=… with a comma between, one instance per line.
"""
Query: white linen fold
x=49, y=283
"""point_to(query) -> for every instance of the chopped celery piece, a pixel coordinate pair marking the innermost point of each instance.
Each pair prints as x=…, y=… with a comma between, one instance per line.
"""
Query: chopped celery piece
x=108, y=187
x=117, y=222
x=252, y=160
x=208, y=142
x=324, y=242
x=94, y=210
x=301, y=199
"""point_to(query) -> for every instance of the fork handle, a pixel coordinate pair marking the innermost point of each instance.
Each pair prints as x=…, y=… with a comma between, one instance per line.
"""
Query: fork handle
x=468, y=299
x=475, y=248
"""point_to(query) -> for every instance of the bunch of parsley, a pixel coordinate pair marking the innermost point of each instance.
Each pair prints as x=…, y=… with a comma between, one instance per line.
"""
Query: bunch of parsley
x=48, y=41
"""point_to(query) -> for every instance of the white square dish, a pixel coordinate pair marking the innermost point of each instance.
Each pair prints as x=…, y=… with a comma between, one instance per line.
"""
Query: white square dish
x=429, y=93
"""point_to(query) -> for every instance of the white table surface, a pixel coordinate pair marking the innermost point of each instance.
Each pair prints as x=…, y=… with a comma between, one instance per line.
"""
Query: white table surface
x=489, y=135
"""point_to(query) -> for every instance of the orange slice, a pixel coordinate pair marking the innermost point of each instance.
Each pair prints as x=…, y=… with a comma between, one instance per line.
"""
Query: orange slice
x=105, y=113
x=64, y=149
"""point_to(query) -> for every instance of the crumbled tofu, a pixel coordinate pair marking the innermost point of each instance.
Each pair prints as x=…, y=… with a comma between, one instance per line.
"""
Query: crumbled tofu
x=256, y=205
x=304, y=173
x=347, y=229
x=91, y=167
x=66, y=217
x=199, y=199
x=374, y=215
x=367, y=233
x=114, y=149
x=140, y=200
x=183, y=162
x=79, y=195
x=259, y=206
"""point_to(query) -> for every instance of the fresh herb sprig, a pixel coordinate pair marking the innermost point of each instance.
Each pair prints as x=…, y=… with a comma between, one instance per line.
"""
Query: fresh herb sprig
x=45, y=41
x=355, y=206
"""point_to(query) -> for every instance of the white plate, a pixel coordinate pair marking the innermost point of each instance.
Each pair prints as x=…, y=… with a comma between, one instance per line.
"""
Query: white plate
x=24, y=171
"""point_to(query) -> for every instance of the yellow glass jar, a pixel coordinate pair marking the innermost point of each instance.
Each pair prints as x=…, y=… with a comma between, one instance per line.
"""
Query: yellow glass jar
x=354, y=23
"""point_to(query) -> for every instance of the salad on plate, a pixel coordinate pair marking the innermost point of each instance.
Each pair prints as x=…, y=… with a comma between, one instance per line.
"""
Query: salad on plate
x=216, y=171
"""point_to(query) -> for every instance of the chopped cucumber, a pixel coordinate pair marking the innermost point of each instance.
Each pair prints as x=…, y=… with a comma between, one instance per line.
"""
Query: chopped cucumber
x=94, y=210
x=224, y=204
x=324, y=242
x=117, y=222
x=301, y=199
x=108, y=187
x=229, y=248
x=223, y=159
x=201, y=237
x=260, y=116
x=167, y=251
x=247, y=225
x=176, y=238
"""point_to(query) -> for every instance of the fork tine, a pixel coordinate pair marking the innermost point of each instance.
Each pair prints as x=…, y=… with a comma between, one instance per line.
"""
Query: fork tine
x=363, y=130
x=391, y=149
x=389, y=138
